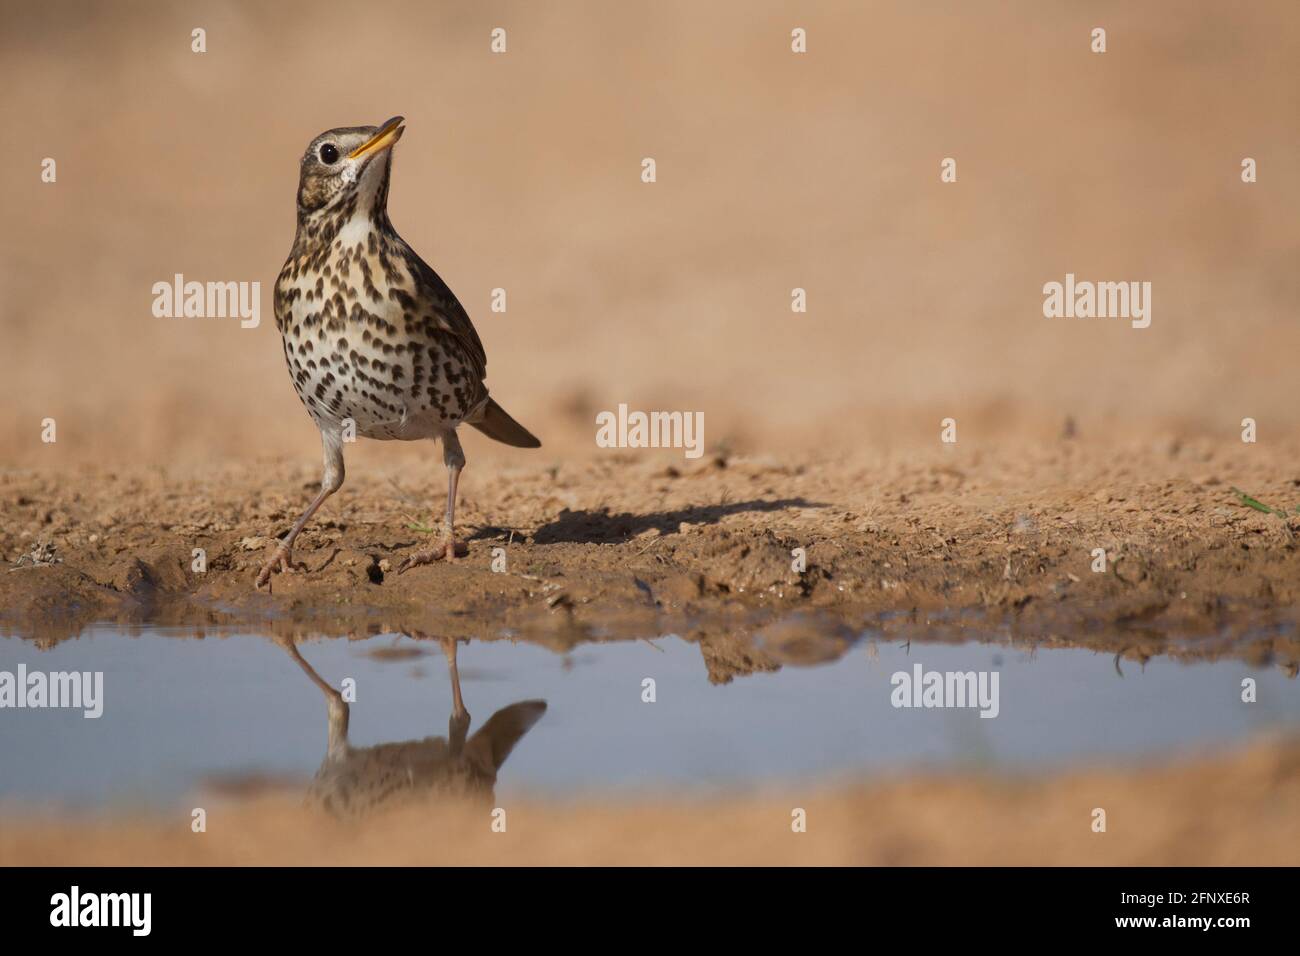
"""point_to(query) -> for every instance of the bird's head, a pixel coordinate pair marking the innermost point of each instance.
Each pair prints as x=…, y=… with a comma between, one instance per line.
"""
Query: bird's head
x=348, y=167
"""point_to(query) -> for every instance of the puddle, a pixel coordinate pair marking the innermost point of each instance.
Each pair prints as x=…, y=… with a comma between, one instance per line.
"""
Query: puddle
x=235, y=712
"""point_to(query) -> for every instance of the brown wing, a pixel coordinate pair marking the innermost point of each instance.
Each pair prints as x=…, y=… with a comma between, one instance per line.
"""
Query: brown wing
x=449, y=315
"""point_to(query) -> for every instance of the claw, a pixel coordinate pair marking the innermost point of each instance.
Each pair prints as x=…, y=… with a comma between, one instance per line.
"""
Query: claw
x=449, y=551
x=279, y=561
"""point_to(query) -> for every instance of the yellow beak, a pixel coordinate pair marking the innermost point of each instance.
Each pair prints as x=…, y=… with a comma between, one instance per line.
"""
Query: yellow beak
x=388, y=134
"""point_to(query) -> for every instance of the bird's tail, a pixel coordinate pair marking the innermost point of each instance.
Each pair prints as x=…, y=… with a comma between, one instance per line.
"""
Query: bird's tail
x=496, y=424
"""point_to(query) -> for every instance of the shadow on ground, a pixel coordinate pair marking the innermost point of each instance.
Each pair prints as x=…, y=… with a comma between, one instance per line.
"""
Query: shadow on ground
x=601, y=527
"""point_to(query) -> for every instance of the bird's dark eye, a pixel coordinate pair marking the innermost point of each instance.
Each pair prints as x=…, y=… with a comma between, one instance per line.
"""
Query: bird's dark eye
x=329, y=154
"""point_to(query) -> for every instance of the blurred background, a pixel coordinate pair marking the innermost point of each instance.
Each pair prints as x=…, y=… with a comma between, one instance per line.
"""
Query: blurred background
x=775, y=171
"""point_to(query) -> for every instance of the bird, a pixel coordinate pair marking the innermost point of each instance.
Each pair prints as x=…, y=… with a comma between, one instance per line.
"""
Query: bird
x=354, y=782
x=377, y=344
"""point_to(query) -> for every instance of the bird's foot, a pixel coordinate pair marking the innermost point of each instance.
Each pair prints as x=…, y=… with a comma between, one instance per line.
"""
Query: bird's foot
x=280, y=560
x=449, y=550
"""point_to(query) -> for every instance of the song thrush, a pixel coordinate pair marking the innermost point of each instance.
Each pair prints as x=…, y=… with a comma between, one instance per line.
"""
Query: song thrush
x=372, y=336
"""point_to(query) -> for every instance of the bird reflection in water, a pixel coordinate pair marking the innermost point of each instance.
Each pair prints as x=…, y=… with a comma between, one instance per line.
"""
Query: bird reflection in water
x=353, y=782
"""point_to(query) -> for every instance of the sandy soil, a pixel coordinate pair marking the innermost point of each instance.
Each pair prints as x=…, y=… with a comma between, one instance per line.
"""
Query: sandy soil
x=957, y=538
x=1226, y=810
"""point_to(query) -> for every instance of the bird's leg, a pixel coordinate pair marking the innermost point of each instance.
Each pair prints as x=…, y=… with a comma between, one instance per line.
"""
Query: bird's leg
x=330, y=483
x=458, y=725
x=336, y=706
x=449, y=548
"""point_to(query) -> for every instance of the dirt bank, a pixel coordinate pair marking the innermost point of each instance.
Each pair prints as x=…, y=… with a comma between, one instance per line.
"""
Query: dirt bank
x=995, y=541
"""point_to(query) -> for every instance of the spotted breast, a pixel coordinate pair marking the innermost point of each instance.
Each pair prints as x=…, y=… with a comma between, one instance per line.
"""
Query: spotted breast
x=373, y=334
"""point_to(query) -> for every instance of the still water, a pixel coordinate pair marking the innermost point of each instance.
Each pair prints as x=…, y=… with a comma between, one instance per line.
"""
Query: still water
x=183, y=714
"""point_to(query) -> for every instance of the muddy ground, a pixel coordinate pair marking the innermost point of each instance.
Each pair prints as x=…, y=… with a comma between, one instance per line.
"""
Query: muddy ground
x=953, y=542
